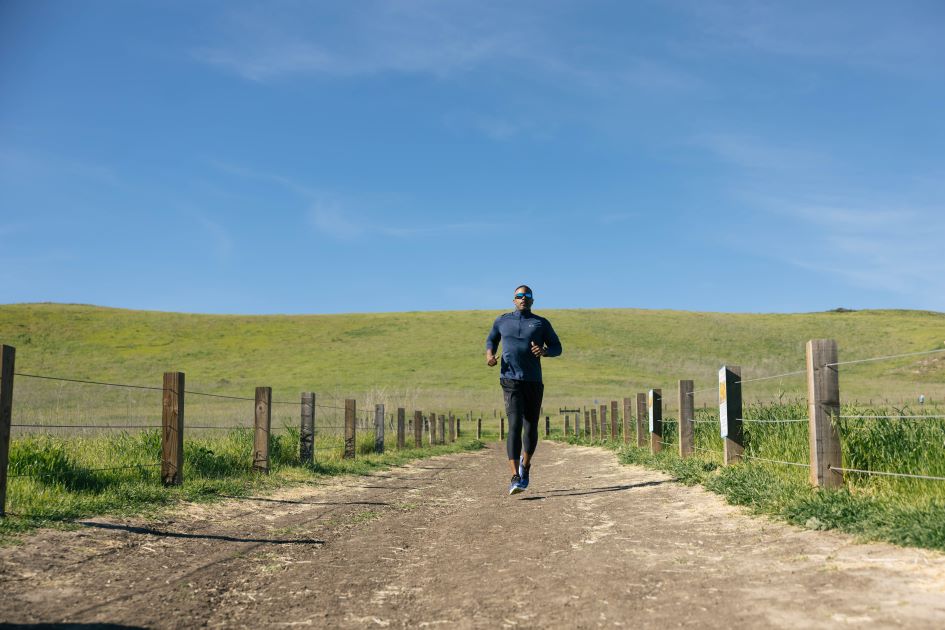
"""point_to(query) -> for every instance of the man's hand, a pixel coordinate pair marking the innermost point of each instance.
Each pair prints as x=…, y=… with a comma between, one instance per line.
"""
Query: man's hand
x=490, y=358
x=538, y=352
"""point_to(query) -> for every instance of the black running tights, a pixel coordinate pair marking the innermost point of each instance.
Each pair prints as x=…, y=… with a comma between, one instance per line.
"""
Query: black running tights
x=523, y=406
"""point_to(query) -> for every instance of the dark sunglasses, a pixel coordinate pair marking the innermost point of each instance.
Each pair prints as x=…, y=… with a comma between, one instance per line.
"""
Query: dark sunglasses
x=519, y=296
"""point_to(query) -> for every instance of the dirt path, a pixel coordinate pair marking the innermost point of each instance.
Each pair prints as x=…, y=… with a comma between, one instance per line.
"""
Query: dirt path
x=591, y=544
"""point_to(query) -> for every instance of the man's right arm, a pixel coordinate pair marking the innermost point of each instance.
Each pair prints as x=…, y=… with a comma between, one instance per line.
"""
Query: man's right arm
x=492, y=344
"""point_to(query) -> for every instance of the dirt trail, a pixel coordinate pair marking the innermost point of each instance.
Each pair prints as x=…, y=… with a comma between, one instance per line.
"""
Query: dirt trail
x=591, y=544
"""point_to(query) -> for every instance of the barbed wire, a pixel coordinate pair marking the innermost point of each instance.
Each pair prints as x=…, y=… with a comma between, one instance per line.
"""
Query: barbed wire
x=768, y=378
x=89, y=426
x=884, y=358
x=85, y=382
x=193, y=393
x=775, y=461
x=39, y=475
x=706, y=450
x=887, y=474
x=893, y=417
x=773, y=421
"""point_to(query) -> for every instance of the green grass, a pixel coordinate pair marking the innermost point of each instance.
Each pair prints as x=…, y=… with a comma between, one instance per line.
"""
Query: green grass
x=57, y=479
x=434, y=360
x=899, y=510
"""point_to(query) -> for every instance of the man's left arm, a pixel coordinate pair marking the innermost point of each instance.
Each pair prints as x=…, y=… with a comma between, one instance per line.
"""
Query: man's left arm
x=552, y=343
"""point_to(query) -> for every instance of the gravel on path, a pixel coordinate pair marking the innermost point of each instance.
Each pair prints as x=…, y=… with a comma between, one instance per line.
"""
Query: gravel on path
x=439, y=543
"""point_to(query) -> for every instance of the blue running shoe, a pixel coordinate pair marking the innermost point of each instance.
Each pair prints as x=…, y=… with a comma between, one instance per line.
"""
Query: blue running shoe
x=523, y=472
x=516, y=486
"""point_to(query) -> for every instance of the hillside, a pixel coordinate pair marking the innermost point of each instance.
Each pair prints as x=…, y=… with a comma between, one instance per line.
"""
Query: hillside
x=436, y=358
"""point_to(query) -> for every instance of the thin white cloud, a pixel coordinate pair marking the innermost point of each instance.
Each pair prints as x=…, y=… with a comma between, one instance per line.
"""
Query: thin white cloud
x=39, y=165
x=218, y=236
x=329, y=219
x=892, y=38
x=752, y=152
x=868, y=243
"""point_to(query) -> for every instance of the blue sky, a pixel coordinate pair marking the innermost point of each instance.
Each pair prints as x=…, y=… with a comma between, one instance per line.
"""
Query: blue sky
x=317, y=157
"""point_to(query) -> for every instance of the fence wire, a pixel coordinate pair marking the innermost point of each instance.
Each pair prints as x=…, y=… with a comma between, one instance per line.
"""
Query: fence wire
x=887, y=474
x=775, y=461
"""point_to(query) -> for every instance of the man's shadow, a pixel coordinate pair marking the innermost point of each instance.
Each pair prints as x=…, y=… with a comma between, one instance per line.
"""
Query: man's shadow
x=552, y=494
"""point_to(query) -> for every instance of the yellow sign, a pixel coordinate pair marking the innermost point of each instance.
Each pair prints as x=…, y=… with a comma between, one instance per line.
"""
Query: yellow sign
x=721, y=391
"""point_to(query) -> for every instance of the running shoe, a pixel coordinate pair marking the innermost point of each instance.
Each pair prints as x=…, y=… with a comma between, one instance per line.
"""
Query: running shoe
x=516, y=486
x=523, y=472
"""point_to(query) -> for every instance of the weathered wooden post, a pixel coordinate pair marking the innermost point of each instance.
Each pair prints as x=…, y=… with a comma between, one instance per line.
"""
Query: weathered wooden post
x=379, y=429
x=686, y=416
x=627, y=405
x=401, y=427
x=587, y=424
x=307, y=430
x=7, y=372
x=730, y=412
x=655, y=409
x=595, y=428
x=351, y=432
x=547, y=426
x=263, y=426
x=603, y=423
x=442, y=429
x=431, y=421
x=613, y=420
x=458, y=428
x=823, y=402
x=479, y=429
x=452, y=423
x=501, y=428
x=172, y=430
x=417, y=429
x=641, y=414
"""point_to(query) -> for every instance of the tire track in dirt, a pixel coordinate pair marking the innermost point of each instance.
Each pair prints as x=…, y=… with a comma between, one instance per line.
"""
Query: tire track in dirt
x=438, y=542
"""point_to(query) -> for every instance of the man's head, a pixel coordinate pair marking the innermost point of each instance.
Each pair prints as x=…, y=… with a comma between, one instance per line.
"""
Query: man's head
x=522, y=299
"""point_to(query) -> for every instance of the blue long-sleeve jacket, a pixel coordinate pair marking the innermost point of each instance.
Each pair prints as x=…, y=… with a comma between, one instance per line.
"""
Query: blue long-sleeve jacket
x=516, y=331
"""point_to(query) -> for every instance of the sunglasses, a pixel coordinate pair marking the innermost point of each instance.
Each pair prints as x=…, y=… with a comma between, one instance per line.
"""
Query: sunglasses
x=519, y=296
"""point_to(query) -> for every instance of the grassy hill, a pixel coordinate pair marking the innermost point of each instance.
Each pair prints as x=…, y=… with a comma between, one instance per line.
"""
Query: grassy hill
x=430, y=359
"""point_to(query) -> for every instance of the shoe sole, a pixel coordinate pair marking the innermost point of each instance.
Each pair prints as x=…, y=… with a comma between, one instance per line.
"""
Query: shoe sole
x=516, y=490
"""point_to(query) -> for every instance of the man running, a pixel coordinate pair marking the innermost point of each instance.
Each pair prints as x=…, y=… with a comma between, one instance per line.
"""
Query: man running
x=526, y=338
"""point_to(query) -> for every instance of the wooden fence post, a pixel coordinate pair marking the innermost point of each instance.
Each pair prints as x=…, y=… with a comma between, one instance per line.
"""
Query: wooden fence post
x=479, y=429
x=547, y=426
x=501, y=428
x=351, y=429
x=686, y=416
x=172, y=430
x=263, y=426
x=603, y=423
x=431, y=423
x=401, y=427
x=307, y=430
x=7, y=370
x=613, y=420
x=417, y=429
x=655, y=400
x=730, y=412
x=823, y=402
x=379, y=416
x=627, y=406
x=452, y=423
x=641, y=414
x=595, y=428
x=442, y=429
x=587, y=424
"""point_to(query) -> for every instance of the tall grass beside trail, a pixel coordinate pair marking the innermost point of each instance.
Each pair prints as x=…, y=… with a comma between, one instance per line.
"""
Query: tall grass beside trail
x=56, y=479
x=903, y=511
